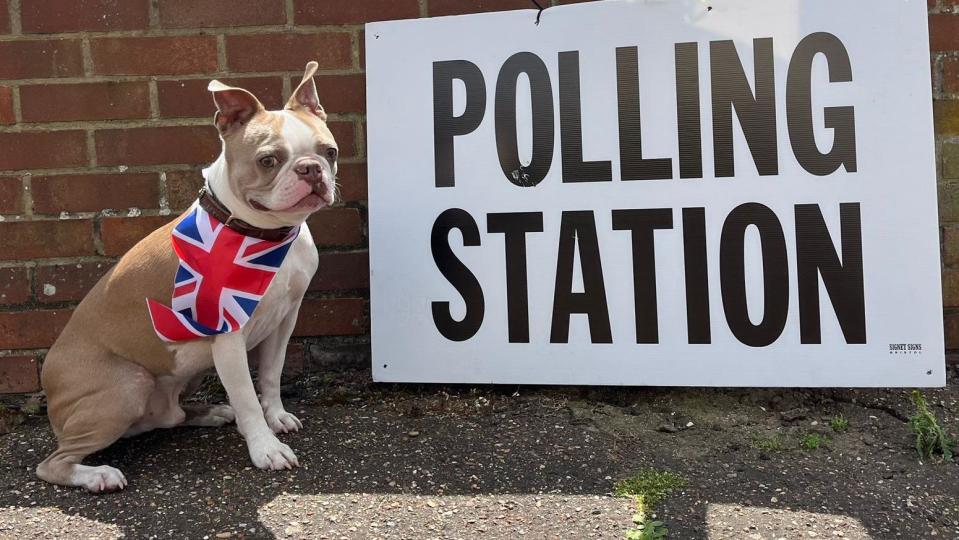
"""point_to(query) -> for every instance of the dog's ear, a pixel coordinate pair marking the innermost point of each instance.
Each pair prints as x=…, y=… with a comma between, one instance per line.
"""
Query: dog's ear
x=234, y=106
x=304, y=97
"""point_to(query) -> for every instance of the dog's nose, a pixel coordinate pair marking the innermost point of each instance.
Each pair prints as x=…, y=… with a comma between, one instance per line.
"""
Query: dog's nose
x=311, y=171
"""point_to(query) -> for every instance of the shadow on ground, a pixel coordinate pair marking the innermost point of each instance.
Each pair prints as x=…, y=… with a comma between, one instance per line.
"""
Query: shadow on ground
x=382, y=461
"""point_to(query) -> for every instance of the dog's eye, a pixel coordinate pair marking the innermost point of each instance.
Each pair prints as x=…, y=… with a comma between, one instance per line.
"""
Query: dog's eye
x=331, y=153
x=268, y=161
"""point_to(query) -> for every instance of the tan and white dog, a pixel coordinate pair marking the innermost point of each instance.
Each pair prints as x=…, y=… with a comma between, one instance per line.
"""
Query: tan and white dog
x=109, y=376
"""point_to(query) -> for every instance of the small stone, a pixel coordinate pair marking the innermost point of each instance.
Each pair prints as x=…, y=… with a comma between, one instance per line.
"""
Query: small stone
x=667, y=428
x=793, y=415
x=414, y=433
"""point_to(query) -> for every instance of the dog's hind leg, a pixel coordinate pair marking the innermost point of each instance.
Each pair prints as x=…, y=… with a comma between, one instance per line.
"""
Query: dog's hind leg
x=200, y=415
x=203, y=415
x=89, y=418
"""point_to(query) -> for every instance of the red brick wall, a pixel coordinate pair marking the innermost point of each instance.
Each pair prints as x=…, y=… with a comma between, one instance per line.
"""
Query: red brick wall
x=103, y=109
x=944, y=47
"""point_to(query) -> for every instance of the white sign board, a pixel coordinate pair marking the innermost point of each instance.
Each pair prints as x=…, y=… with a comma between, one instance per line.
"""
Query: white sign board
x=656, y=193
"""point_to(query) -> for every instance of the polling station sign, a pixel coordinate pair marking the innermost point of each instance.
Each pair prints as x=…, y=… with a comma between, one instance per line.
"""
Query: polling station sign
x=733, y=193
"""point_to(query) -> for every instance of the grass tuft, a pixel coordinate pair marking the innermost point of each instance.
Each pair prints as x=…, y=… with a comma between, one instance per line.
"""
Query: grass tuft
x=766, y=443
x=648, y=488
x=839, y=424
x=813, y=441
x=649, y=484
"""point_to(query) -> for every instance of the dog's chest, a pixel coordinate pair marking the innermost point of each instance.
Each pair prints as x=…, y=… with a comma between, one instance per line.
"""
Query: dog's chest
x=280, y=301
x=284, y=294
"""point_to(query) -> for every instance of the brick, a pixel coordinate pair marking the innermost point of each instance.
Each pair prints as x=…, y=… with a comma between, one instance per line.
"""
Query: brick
x=948, y=201
x=353, y=12
x=438, y=8
x=331, y=317
x=157, y=145
x=943, y=32
x=31, y=329
x=19, y=374
x=40, y=239
x=190, y=98
x=68, y=282
x=227, y=13
x=288, y=52
x=361, y=41
x=351, y=178
x=42, y=149
x=342, y=272
x=94, y=192
x=4, y=18
x=40, y=59
x=11, y=195
x=48, y=17
x=169, y=55
x=119, y=234
x=950, y=75
x=950, y=161
x=182, y=188
x=345, y=135
x=950, y=288
x=337, y=227
x=340, y=93
x=952, y=330
x=14, y=285
x=950, y=246
x=89, y=101
x=946, y=113
x=6, y=105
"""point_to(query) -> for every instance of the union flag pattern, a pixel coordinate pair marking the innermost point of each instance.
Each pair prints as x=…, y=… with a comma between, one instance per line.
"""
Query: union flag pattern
x=220, y=280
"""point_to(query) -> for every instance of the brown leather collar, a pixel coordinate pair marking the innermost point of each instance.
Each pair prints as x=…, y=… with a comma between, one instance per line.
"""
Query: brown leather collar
x=221, y=213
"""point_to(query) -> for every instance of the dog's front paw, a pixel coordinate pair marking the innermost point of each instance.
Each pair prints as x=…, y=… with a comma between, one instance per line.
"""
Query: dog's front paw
x=269, y=453
x=281, y=421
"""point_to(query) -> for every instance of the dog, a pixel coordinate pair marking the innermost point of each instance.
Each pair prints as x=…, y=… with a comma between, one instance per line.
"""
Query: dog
x=124, y=360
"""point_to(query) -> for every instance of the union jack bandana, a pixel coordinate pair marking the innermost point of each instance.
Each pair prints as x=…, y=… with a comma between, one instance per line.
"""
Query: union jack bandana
x=221, y=278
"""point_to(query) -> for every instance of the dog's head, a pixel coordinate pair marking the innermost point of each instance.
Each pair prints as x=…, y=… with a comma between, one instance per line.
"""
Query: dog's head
x=280, y=165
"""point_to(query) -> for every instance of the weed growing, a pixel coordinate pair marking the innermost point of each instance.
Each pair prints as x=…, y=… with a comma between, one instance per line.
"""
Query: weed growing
x=931, y=438
x=813, y=441
x=648, y=488
x=766, y=443
x=839, y=424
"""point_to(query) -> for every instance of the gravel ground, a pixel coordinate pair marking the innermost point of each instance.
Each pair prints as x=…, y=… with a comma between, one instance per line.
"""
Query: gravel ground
x=390, y=461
